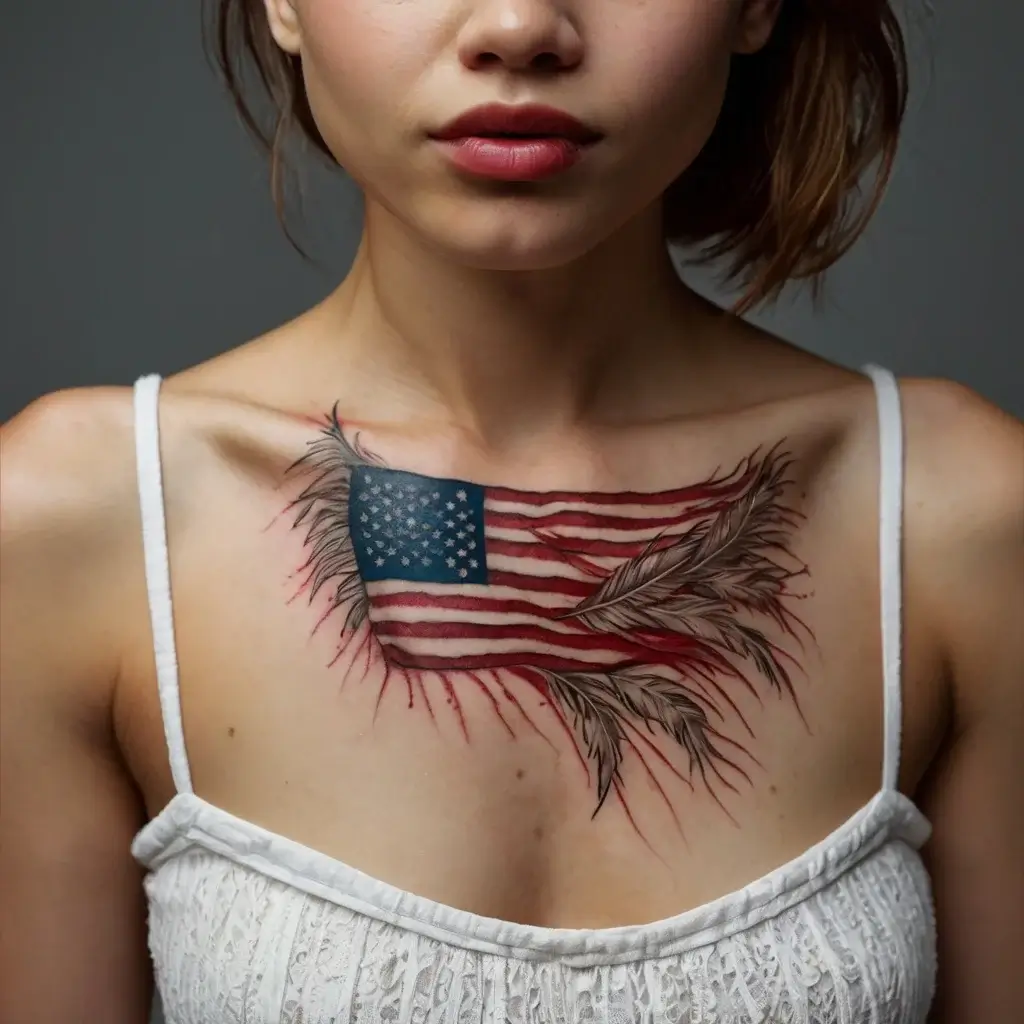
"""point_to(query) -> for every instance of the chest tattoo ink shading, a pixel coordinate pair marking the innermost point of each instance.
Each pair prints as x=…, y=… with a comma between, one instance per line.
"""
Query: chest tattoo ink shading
x=633, y=615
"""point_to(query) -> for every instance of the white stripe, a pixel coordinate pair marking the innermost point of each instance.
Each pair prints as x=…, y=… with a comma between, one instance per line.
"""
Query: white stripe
x=415, y=614
x=541, y=568
x=570, y=533
x=481, y=591
x=629, y=511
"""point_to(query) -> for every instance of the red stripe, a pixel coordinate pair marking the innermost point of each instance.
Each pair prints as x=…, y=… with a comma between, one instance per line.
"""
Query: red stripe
x=460, y=603
x=593, y=520
x=545, y=584
x=467, y=663
x=541, y=551
x=457, y=631
x=698, y=492
x=561, y=585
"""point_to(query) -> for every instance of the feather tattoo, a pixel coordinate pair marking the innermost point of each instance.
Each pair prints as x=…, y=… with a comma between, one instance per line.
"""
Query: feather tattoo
x=699, y=582
x=322, y=508
x=634, y=616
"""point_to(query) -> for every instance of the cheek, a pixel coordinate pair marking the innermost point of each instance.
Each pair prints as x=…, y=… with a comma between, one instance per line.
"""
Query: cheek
x=671, y=63
x=361, y=62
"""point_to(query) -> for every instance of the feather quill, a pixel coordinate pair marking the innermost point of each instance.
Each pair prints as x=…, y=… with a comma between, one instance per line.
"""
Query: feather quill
x=698, y=583
x=597, y=702
x=322, y=507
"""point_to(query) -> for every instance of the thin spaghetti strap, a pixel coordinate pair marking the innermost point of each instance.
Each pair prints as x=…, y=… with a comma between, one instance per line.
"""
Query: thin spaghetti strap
x=890, y=441
x=158, y=574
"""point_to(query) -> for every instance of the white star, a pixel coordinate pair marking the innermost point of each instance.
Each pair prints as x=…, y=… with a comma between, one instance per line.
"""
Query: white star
x=387, y=487
x=426, y=561
x=471, y=545
x=405, y=561
x=436, y=495
x=463, y=515
x=449, y=543
x=450, y=523
x=410, y=521
x=437, y=535
x=471, y=527
x=379, y=562
x=387, y=517
x=375, y=490
x=450, y=562
x=461, y=552
x=449, y=505
x=461, y=495
x=392, y=551
x=474, y=564
x=461, y=534
x=463, y=573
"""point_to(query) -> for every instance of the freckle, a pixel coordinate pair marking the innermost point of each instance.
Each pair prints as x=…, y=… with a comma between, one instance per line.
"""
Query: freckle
x=520, y=773
x=231, y=730
x=772, y=790
x=538, y=832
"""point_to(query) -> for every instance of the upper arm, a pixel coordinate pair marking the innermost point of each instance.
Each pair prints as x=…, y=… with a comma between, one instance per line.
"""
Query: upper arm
x=72, y=945
x=973, y=514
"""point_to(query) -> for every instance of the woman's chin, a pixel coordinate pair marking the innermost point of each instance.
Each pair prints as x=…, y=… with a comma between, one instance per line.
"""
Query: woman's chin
x=530, y=240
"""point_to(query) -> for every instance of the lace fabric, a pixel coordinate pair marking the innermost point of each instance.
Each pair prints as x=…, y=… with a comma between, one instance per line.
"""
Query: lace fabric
x=854, y=944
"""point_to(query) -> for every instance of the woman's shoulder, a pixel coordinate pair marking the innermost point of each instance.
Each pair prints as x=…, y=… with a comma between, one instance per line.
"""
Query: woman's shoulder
x=68, y=466
x=71, y=460
x=964, y=462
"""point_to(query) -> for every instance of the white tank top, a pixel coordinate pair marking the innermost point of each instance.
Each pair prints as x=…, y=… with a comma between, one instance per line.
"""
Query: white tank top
x=249, y=926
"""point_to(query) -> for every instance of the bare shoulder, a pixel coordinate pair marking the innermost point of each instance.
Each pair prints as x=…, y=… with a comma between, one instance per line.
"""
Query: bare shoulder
x=70, y=469
x=965, y=483
x=965, y=563
x=67, y=512
x=69, y=546
x=964, y=524
x=965, y=455
x=68, y=460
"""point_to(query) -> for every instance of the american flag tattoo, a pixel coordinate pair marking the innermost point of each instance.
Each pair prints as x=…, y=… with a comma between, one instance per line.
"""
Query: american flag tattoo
x=633, y=614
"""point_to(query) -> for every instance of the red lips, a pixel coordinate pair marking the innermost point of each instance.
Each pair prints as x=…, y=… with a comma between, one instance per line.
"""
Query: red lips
x=515, y=144
x=496, y=120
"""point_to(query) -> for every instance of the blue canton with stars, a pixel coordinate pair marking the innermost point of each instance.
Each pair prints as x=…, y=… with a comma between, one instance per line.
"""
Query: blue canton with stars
x=410, y=527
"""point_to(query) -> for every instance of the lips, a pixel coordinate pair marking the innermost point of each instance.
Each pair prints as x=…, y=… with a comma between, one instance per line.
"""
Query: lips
x=530, y=121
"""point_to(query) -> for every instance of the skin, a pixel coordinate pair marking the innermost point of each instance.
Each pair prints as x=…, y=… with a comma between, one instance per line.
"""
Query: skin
x=535, y=338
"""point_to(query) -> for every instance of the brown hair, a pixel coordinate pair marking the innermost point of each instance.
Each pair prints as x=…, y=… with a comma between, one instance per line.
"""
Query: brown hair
x=778, y=191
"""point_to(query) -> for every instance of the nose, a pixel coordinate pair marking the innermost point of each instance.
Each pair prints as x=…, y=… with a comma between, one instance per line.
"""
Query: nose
x=520, y=35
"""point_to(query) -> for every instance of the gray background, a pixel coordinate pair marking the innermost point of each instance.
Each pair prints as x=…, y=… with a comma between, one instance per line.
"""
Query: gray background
x=139, y=234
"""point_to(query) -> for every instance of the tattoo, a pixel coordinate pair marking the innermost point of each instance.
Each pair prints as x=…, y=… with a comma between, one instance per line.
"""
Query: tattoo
x=632, y=615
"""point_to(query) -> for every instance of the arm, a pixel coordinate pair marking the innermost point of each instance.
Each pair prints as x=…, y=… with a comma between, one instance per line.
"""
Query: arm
x=72, y=939
x=973, y=574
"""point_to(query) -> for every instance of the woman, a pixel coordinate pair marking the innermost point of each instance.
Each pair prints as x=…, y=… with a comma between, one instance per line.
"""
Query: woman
x=534, y=641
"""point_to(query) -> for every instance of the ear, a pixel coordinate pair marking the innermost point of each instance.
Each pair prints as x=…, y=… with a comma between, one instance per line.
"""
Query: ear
x=754, y=24
x=284, y=24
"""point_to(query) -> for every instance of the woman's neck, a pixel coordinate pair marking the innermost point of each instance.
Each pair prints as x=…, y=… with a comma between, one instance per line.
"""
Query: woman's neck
x=506, y=354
